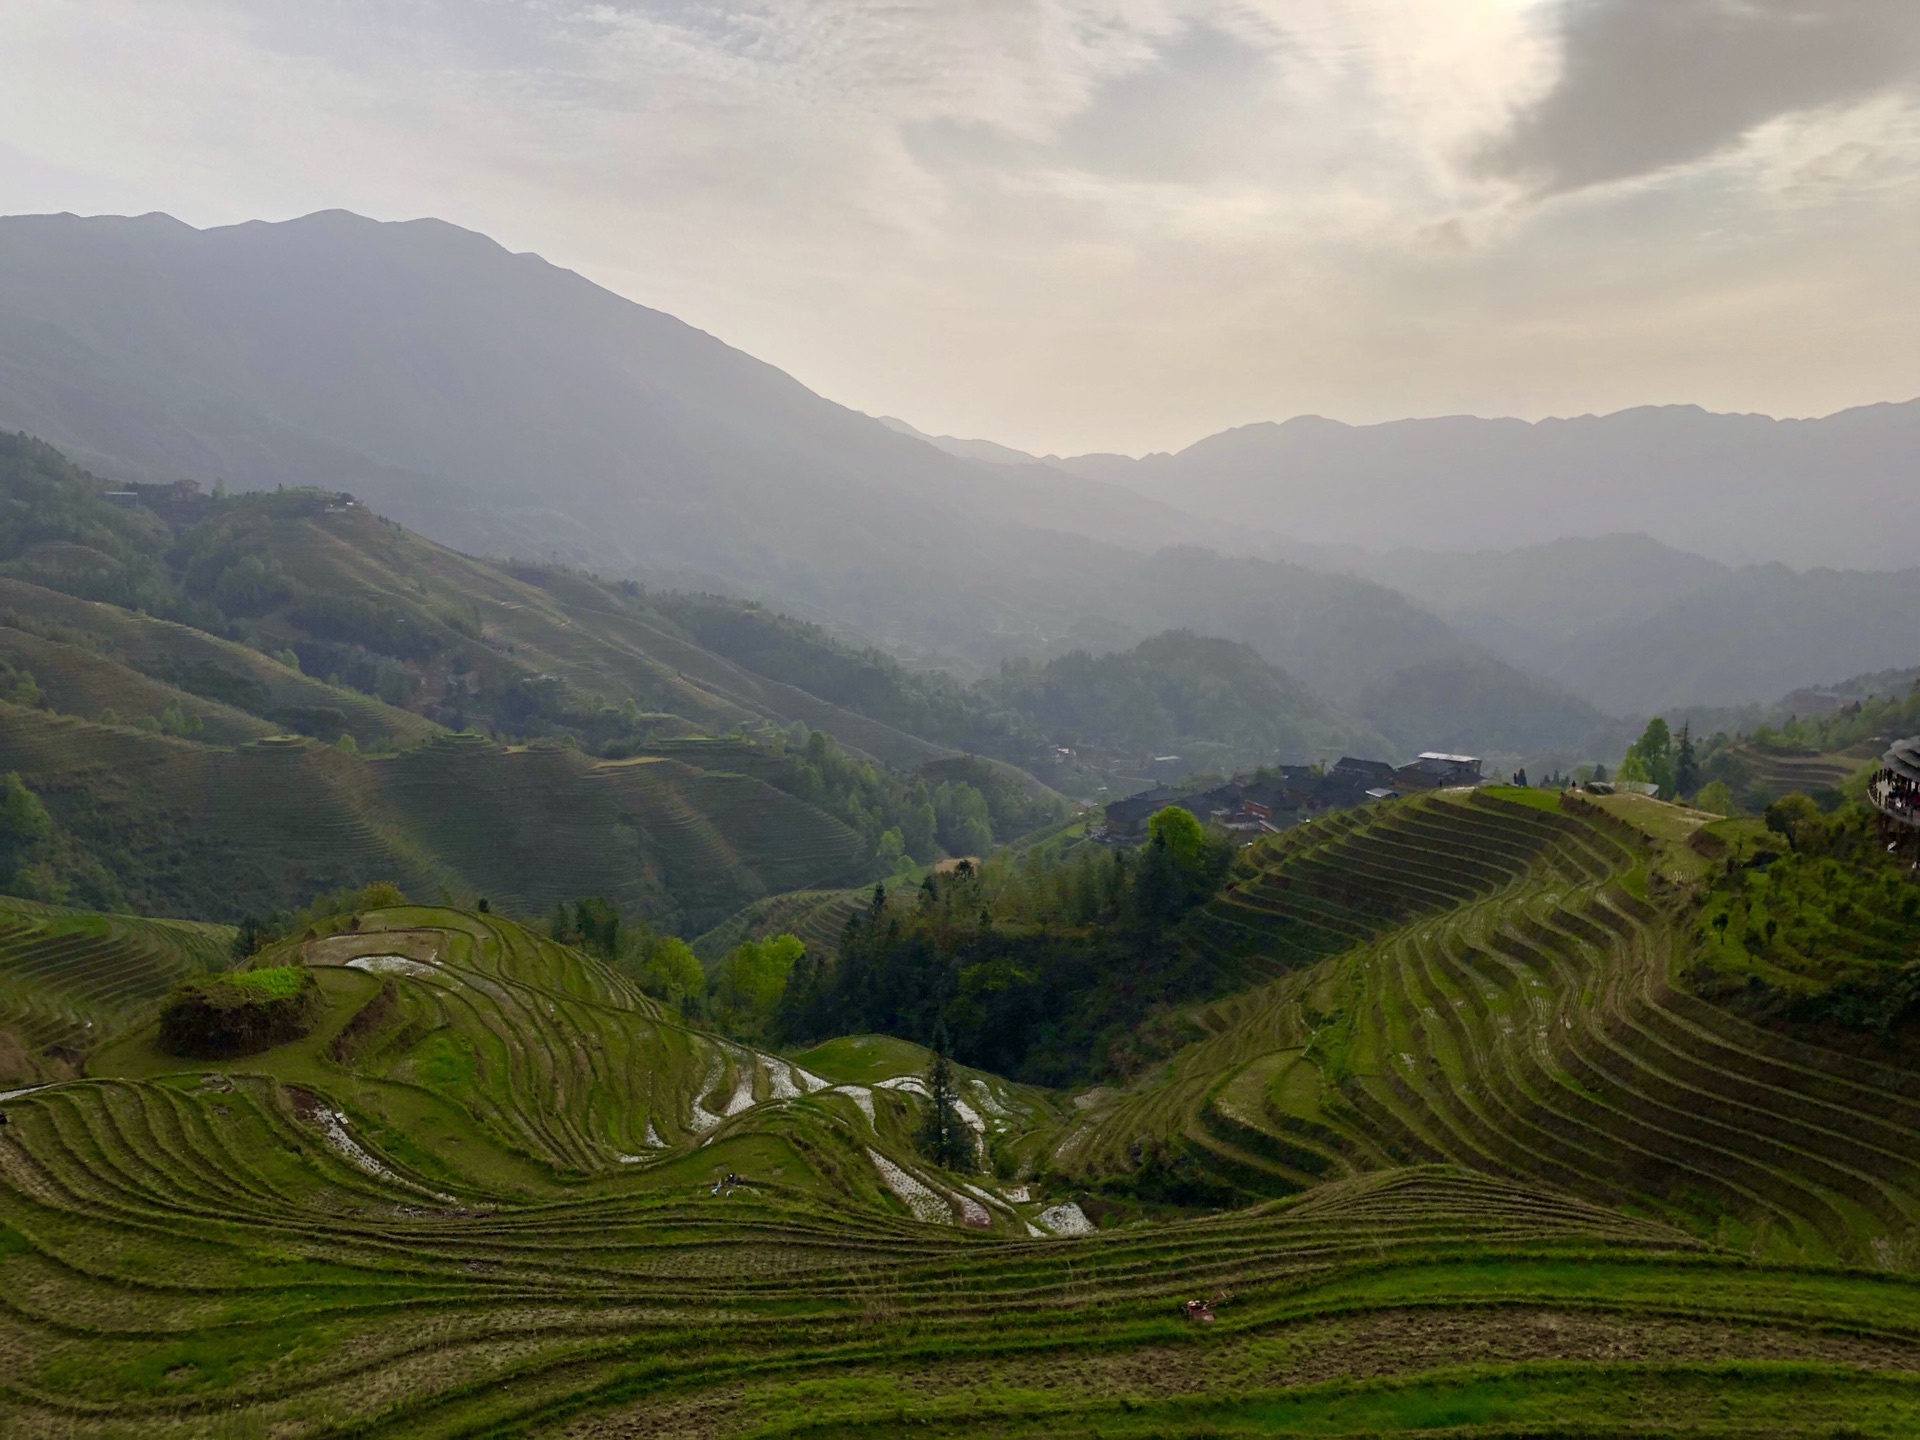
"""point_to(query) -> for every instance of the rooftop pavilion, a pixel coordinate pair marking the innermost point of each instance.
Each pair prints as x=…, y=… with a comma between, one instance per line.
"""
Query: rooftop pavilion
x=1895, y=787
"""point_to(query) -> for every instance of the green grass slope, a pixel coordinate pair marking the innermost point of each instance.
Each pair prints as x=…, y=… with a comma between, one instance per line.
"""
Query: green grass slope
x=485, y=1196
x=192, y=829
x=76, y=680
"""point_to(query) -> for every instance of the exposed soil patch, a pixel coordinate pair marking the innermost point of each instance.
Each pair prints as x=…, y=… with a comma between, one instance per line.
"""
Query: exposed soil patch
x=222, y=1017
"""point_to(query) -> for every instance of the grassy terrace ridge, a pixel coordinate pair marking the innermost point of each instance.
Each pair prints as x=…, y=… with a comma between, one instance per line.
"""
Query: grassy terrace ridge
x=1492, y=1171
x=139, y=662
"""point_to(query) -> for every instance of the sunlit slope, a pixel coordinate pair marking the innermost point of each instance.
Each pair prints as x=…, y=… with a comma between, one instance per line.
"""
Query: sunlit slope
x=533, y=1057
x=1510, y=1005
x=541, y=621
x=69, y=978
x=90, y=656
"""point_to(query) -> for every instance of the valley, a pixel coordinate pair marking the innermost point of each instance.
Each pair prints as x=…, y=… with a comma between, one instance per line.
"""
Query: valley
x=556, y=882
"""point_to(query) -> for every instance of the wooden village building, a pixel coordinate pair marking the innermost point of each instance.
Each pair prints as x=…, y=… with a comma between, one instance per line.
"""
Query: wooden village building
x=1894, y=791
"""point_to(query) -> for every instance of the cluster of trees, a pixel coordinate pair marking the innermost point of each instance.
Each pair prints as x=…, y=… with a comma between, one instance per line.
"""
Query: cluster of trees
x=1896, y=712
x=741, y=997
x=1050, y=967
x=1661, y=758
x=944, y=1136
x=41, y=862
x=907, y=819
x=1829, y=931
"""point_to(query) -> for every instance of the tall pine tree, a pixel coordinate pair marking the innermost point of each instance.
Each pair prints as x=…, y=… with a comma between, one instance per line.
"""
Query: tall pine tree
x=945, y=1138
x=1686, y=765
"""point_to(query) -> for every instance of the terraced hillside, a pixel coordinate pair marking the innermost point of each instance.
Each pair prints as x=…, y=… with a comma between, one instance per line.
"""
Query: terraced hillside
x=489, y=1195
x=198, y=829
x=421, y=602
x=91, y=657
x=1510, y=1004
x=68, y=978
x=817, y=917
x=1770, y=774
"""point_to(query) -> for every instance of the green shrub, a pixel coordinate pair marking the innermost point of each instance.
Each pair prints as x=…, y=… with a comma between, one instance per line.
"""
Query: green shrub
x=222, y=1017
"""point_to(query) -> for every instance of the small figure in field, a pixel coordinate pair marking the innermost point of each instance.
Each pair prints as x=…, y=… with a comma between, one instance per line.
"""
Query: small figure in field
x=1202, y=1310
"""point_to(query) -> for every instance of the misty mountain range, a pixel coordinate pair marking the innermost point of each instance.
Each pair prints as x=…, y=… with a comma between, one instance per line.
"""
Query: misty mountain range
x=1743, y=489
x=502, y=405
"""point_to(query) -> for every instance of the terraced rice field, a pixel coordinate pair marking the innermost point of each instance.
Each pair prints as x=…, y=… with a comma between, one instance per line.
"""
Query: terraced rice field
x=181, y=1261
x=202, y=830
x=1499, y=1177
x=1523, y=1020
x=1771, y=775
x=69, y=977
x=817, y=916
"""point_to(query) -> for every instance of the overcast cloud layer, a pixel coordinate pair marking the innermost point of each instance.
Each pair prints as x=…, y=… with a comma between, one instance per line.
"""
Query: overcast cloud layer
x=1072, y=226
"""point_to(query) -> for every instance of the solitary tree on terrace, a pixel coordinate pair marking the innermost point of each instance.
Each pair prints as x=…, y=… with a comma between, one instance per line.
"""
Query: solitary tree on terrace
x=945, y=1137
x=1686, y=765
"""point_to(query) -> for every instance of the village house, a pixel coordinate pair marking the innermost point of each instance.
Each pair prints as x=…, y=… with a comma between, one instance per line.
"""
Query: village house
x=1280, y=796
x=1444, y=769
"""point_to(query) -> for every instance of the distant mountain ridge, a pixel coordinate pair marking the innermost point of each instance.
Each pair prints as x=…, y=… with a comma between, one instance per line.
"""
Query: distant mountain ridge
x=1635, y=626
x=1739, y=488
x=500, y=405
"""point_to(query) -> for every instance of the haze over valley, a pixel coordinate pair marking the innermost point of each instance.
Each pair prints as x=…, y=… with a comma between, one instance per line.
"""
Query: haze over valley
x=501, y=405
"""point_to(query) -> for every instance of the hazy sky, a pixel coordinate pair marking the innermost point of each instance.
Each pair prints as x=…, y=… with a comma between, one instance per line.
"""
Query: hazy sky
x=1072, y=226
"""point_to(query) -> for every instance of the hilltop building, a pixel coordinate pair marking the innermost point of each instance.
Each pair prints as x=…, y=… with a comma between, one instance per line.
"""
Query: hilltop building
x=1373, y=772
x=180, y=502
x=1895, y=786
x=1274, y=799
x=1443, y=769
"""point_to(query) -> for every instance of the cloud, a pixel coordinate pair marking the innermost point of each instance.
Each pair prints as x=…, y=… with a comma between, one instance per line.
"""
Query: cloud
x=1649, y=84
x=1073, y=224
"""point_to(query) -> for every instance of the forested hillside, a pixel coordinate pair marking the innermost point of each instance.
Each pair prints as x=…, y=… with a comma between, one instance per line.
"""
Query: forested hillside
x=220, y=706
x=1215, y=703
